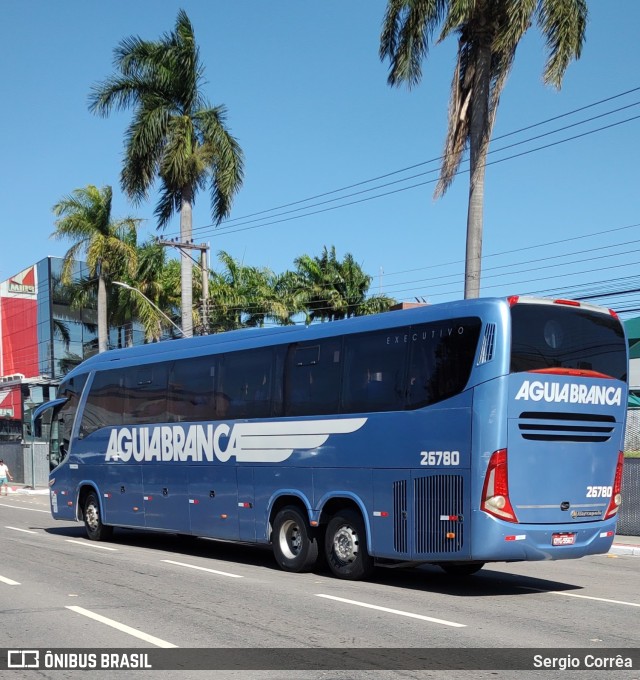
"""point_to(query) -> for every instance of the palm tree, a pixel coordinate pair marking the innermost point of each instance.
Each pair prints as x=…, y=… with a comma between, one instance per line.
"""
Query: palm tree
x=175, y=135
x=335, y=289
x=156, y=278
x=488, y=33
x=243, y=296
x=148, y=297
x=85, y=217
x=317, y=276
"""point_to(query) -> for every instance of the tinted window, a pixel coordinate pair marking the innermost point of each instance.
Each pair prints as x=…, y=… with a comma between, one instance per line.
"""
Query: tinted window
x=374, y=371
x=192, y=393
x=72, y=389
x=246, y=380
x=556, y=336
x=312, y=383
x=145, y=394
x=104, y=406
x=441, y=359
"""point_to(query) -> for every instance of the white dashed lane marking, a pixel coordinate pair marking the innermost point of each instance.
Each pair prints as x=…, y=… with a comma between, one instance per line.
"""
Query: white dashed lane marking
x=8, y=581
x=398, y=612
x=212, y=571
x=86, y=544
x=122, y=627
x=583, y=597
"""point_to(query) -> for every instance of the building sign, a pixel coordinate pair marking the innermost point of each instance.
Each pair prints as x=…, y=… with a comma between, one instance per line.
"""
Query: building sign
x=21, y=285
x=6, y=412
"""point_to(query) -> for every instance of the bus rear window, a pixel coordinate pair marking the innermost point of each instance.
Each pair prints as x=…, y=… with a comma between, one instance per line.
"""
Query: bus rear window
x=558, y=337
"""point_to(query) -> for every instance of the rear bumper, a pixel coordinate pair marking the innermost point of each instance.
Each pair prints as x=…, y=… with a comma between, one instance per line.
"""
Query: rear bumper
x=495, y=540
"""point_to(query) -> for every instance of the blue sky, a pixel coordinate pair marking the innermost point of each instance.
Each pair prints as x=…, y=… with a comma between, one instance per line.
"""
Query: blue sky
x=307, y=99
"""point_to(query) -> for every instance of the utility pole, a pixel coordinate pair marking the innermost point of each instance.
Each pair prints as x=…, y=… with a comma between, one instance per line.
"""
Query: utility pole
x=184, y=248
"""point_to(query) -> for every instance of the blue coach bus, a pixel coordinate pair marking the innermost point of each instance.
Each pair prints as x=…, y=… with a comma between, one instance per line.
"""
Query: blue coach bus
x=454, y=434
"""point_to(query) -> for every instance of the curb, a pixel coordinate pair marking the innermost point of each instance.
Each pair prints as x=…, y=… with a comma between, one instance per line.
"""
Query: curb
x=625, y=549
x=25, y=491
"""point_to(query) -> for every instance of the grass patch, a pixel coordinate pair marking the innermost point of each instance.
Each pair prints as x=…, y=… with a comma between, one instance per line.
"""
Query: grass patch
x=632, y=454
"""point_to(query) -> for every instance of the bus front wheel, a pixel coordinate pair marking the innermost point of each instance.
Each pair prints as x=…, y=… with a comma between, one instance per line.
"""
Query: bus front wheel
x=346, y=546
x=96, y=530
x=294, y=546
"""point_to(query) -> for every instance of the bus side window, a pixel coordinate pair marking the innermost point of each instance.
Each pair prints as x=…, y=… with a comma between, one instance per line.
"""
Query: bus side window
x=192, y=393
x=247, y=379
x=374, y=371
x=312, y=378
x=145, y=394
x=104, y=405
x=441, y=359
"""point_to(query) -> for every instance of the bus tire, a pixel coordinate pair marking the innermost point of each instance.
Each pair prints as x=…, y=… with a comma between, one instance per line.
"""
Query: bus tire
x=294, y=546
x=345, y=546
x=461, y=570
x=96, y=530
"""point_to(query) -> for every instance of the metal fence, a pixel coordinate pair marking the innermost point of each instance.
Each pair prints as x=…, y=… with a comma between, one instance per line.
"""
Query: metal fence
x=632, y=433
x=11, y=453
x=629, y=517
x=28, y=463
x=36, y=464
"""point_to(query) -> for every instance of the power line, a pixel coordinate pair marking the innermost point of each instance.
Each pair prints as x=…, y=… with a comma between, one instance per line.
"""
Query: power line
x=517, y=250
x=239, y=228
x=231, y=229
x=422, y=163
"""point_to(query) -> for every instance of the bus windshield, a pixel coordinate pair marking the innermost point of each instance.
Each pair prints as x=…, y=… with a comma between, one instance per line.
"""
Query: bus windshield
x=547, y=337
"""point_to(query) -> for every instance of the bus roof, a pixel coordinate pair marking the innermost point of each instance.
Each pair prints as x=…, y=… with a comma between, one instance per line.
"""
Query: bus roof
x=486, y=308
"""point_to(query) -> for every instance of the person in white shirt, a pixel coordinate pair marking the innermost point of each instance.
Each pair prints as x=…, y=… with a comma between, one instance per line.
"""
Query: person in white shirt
x=4, y=473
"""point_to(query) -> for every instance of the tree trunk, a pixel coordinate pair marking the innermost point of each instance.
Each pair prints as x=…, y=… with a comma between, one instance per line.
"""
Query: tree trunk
x=479, y=144
x=186, y=272
x=103, y=329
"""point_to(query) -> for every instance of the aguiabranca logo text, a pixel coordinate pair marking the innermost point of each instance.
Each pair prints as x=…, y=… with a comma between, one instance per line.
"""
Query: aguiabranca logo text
x=570, y=393
x=268, y=442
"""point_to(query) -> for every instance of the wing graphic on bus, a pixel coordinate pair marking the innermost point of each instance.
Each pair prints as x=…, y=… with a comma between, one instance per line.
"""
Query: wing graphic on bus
x=274, y=442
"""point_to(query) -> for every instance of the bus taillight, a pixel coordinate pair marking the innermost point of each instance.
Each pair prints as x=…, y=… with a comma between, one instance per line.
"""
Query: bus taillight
x=616, y=495
x=495, y=493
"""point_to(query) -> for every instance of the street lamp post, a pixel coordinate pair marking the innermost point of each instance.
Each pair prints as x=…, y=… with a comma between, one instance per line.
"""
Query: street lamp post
x=153, y=304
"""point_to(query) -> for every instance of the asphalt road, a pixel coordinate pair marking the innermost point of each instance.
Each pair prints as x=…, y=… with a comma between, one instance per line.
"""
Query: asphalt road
x=147, y=591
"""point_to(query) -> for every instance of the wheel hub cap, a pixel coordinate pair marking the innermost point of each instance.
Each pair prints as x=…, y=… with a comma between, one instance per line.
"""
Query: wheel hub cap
x=345, y=544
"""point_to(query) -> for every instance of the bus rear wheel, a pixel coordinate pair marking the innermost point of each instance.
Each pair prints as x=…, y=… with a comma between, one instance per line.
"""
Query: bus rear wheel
x=346, y=546
x=294, y=546
x=96, y=530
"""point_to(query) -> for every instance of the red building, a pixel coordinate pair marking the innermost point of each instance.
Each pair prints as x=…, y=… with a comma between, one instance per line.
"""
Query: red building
x=18, y=346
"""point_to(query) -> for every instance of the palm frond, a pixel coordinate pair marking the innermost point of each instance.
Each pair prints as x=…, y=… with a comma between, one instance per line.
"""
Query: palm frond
x=459, y=119
x=224, y=158
x=407, y=29
x=563, y=24
x=168, y=204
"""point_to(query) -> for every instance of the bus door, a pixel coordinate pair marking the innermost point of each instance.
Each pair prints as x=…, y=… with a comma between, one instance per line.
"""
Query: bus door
x=165, y=497
x=213, y=501
x=48, y=423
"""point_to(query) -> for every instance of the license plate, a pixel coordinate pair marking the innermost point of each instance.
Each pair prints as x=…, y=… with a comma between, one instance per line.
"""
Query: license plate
x=563, y=539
